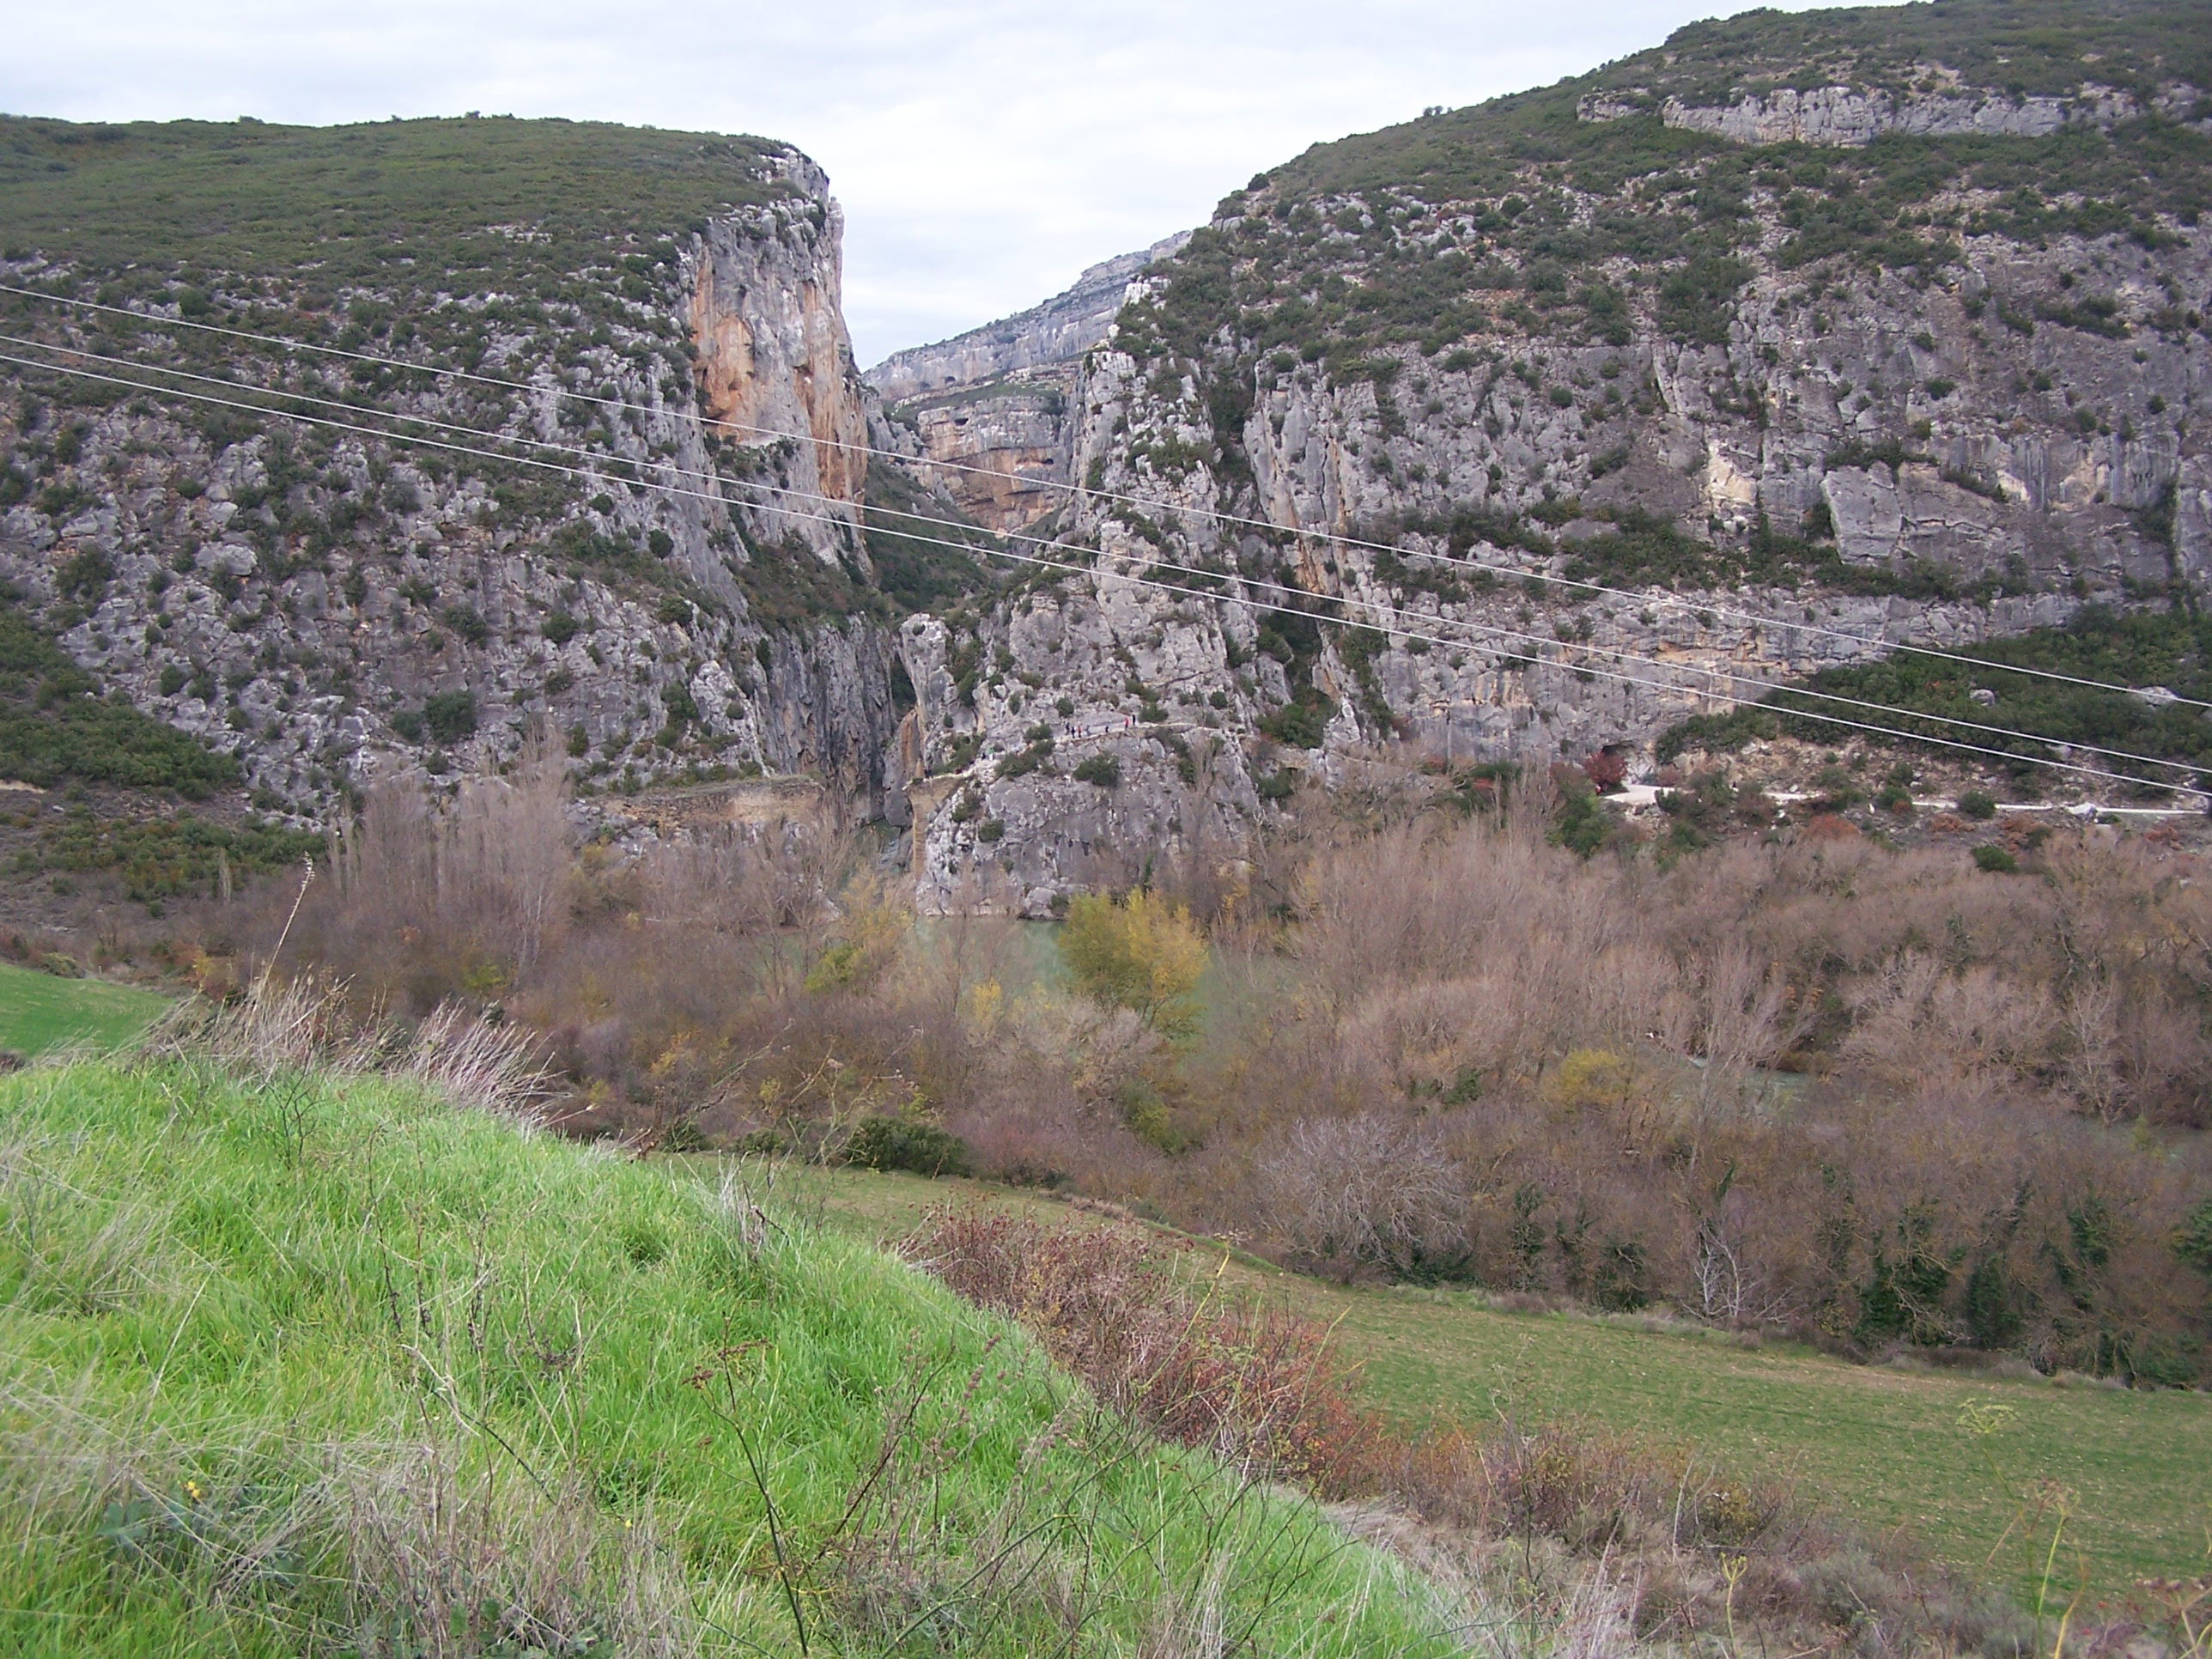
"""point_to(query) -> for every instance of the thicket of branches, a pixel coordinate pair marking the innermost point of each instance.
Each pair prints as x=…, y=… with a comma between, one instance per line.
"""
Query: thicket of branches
x=1879, y=1098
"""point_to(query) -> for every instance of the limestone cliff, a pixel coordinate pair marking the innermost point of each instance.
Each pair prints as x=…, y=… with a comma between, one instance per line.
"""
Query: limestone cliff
x=328, y=601
x=998, y=452
x=768, y=325
x=1921, y=355
x=984, y=417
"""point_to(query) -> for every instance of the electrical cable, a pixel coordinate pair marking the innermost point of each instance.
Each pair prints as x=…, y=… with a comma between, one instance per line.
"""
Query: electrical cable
x=1486, y=629
x=1097, y=572
x=1649, y=597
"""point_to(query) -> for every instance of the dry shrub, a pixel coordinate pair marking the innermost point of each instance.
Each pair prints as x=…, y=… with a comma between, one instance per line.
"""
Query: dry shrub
x=425, y=901
x=1643, y=1526
x=293, y=1026
x=1570, y=1072
x=1248, y=1383
x=1369, y=1191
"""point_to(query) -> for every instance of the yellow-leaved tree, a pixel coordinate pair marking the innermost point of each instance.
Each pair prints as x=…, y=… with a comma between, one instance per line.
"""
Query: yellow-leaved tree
x=1140, y=953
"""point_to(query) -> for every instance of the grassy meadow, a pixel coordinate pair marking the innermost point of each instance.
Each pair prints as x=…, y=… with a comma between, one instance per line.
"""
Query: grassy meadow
x=1889, y=1448
x=40, y=1012
x=326, y=1364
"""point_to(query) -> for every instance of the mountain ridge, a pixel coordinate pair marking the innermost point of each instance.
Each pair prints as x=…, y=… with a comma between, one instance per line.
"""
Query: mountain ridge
x=1378, y=416
x=1935, y=385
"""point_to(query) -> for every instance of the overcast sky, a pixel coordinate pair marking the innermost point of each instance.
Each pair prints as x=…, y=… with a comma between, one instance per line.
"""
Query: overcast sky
x=985, y=151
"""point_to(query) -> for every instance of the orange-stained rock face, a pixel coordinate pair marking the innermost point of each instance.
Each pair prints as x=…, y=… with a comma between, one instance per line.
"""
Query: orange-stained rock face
x=999, y=450
x=776, y=370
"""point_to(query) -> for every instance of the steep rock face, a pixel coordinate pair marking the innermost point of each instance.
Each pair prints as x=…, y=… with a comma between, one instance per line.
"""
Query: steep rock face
x=768, y=324
x=984, y=417
x=995, y=451
x=327, y=603
x=1852, y=117
x=1792, y=407
x=1055, y=331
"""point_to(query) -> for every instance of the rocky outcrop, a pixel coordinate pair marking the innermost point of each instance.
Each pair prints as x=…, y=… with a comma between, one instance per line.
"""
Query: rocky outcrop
x=2192, y=519
x=1056, y=331
x=329, y=604
x=996, y=451
x=768, y=325
x=1853, y=118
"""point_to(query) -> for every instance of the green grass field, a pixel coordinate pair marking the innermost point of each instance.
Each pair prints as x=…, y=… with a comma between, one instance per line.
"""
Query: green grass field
x=328, y=1364
x=40, y=1013
x=1884, y=1447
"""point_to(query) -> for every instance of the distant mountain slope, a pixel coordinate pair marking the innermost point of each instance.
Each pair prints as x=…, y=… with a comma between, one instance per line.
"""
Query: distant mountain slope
x=1805, y=332
x=1055, y=331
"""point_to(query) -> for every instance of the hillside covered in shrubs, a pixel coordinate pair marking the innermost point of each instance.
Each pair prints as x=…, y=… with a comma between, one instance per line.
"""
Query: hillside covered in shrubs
x=1534, y=429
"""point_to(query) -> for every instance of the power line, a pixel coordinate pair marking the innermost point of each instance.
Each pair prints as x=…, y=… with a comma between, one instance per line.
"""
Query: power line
x=1653, y=596
x=1679, y=689
x=1092, y=571
x=1488, y=629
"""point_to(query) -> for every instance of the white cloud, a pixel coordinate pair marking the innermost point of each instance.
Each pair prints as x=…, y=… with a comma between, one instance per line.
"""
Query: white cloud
x=984, y=152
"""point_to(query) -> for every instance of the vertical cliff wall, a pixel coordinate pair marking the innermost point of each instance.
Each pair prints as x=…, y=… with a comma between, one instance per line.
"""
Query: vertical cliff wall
x=329, y=603
x=986, y=417
x=768, y=324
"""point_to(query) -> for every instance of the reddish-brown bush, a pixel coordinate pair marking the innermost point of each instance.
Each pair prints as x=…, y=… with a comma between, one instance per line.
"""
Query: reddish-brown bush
x=1400, y=1011
x=1607, y=771
x=1161, y=1340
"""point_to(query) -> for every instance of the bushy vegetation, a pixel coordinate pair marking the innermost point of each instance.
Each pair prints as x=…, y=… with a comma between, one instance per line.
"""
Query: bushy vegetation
x=161, y=857
x=55, y=727
x=298, y=1364
x=468, y=204
x=904, y=1143
x=913, y=568
x=1620, y=1027
x=1754, y=946
x=1140, y=953
x=2147, y=649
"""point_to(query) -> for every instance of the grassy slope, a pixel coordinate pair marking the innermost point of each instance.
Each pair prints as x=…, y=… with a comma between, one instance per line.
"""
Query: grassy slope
x=354, y=1264
x=39, y=1012
x=1884, y=1445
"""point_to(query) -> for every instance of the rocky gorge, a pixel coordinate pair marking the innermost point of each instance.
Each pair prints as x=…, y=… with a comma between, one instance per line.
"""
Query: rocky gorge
x=1906, y=371
x=1514, y=432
